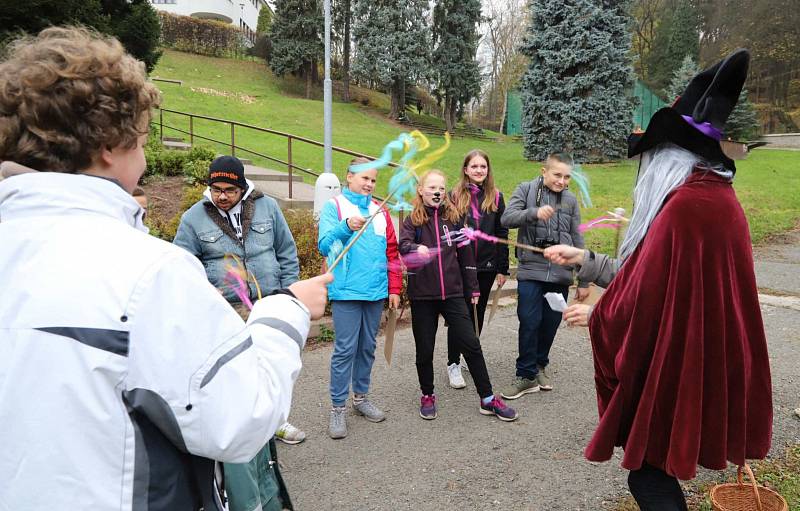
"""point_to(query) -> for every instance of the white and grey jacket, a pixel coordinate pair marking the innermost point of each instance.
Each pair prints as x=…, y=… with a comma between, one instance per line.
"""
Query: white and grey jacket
x=521, y=212
x=123, y=372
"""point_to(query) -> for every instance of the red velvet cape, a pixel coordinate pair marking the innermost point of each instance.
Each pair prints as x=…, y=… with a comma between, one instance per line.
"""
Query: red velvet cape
x=681, y=365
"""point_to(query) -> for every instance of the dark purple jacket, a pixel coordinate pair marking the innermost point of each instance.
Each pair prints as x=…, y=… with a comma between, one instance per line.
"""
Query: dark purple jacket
x=451, y=271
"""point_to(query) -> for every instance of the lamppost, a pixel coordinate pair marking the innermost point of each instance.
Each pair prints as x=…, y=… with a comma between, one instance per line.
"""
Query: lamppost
x=327, y=184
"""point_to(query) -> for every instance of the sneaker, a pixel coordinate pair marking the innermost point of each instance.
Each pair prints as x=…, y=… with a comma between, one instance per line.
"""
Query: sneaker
x=543, y=378
x=427, y=407
x=520, y=387
x=337, y=427
x=497, y=407
x=289, y=434
x=370, y=412
x=454, y=373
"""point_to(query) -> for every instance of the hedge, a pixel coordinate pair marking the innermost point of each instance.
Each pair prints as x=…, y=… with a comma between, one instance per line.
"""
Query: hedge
x=203, y=37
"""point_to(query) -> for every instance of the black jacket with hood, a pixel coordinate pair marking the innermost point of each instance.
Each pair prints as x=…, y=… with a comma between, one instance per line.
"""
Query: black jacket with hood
x=451, y=271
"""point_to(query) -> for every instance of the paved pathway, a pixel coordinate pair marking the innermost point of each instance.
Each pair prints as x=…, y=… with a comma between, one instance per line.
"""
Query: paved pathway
x=464, y=460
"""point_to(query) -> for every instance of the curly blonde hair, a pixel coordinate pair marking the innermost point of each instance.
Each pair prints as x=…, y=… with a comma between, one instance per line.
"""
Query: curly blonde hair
x=68, y=93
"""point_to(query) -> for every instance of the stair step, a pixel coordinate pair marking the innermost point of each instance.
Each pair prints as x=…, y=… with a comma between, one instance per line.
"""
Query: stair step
x=261, y=174
x=302, y=194
x=176, y=146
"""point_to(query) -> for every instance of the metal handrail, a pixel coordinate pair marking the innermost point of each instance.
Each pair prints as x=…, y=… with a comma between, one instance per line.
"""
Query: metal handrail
x=289, y=163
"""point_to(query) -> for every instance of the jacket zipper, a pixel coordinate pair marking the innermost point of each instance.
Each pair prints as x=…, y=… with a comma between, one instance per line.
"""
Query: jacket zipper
x=439, y=248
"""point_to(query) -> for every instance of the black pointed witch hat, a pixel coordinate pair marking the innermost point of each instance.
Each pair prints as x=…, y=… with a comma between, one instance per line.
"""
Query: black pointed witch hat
x=696, y=120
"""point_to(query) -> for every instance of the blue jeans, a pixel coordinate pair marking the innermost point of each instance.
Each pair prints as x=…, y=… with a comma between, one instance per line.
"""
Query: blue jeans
x=537, y=325
x=356, y=324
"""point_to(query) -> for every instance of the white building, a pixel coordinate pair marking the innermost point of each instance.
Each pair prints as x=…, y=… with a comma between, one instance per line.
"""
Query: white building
x=242, y=13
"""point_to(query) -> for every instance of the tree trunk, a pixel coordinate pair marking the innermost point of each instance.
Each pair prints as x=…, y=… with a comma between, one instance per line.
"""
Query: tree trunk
x=450, y=105
x=309, y=79
x=346, y=56
x=503, y=128
x=395, y=109
x=398, y=98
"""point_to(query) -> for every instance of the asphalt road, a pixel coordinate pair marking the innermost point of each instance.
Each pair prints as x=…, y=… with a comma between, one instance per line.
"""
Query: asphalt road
x=464, y=460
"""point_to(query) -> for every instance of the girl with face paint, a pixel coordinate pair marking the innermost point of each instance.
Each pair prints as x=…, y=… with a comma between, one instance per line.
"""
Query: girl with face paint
x=440, y=288
x=480, y=206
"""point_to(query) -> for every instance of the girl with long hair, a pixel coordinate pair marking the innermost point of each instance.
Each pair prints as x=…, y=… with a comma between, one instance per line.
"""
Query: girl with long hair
x=440, y=288
x=479, y=205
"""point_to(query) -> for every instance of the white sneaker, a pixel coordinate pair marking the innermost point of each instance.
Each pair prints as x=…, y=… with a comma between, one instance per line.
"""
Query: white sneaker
x=454, y=373
x=290, y=434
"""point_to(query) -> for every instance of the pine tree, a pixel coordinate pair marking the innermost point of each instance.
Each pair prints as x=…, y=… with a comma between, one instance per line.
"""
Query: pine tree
x=455, y=36
x=676, y=37
x=681, y=78
x=296, y=39
x=743, y=123
x=577, y=91
x=391, y=44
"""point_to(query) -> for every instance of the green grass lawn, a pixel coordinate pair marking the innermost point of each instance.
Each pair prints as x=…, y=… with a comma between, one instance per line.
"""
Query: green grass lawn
x=767, y=183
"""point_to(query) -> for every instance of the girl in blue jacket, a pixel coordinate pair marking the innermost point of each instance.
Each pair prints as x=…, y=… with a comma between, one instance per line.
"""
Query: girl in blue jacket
x=369, y=272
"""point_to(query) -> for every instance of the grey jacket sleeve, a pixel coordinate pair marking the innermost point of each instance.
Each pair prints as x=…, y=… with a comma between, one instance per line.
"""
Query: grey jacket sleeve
x=598, y=268
x=577, y=237
x=517, y=213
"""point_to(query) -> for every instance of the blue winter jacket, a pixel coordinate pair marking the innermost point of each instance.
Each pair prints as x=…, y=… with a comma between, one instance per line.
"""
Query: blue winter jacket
x=362, y=275
x=268, y=249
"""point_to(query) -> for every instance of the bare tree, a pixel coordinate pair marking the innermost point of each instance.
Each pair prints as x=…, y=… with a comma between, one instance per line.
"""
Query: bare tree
x=504, y=28
x=646, y=16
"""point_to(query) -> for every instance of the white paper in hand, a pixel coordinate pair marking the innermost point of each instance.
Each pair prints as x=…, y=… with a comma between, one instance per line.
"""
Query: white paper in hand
x=556, y=301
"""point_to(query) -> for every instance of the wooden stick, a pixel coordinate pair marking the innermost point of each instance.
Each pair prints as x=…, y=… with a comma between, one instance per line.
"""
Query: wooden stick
x=475, y=317
x=495, y=302
x=523, y=246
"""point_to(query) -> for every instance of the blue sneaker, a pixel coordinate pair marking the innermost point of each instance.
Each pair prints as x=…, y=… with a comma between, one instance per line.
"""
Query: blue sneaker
x=497, y=407
x=427, y=407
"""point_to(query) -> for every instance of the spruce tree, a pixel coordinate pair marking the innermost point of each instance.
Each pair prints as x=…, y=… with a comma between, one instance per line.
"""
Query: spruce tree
x=681, y=78
x=392, y=44
x=743, y=123
x=296, y=39
x=455, y=37
x=577, y=91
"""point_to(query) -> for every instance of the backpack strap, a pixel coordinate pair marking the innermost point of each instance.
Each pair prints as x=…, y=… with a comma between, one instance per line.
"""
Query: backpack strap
x=338, y=208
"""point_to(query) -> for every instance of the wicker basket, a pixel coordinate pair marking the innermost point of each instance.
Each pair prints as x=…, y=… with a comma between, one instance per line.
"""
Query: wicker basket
x=741, y=497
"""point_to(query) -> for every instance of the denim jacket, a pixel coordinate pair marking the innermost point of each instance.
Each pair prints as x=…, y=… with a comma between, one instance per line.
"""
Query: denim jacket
x=267, y=248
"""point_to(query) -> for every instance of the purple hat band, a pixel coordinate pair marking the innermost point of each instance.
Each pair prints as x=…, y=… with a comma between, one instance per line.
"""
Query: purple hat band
x=704, y=127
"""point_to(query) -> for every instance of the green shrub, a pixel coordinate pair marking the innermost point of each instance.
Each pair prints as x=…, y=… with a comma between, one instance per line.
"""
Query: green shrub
x=304, y=229
x=203, y=37
x=200, y=152
x=196, y=171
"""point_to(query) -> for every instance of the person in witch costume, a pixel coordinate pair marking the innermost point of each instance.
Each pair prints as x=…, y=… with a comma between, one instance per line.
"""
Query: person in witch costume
x=681, y=366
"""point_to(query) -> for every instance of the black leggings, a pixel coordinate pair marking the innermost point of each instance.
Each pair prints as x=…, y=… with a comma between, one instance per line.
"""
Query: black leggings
x=655, y=490
x=425, y=322
x=485, y=281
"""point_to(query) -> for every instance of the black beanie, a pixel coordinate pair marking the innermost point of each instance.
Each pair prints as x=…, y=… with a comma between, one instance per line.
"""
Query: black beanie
x=227, y=169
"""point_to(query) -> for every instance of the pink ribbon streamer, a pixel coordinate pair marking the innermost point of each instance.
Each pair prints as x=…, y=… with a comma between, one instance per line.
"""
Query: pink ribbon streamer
x=236, y=283
x=602, y=222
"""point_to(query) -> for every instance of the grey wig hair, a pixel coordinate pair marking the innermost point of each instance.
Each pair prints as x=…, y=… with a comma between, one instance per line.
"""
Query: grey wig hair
x=661, y=170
